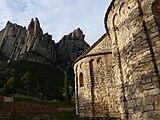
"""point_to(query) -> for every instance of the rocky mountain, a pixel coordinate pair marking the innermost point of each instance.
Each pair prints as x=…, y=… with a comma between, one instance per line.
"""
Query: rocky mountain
x=17, y=42
x=70, y=47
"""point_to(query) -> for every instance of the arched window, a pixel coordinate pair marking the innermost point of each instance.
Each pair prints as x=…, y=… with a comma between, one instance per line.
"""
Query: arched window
x=81, y=82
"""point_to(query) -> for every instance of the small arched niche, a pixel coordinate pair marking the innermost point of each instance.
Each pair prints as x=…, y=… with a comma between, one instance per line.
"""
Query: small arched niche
x=122, y=9
x=99, y=60
x=115, y=27
x=81, y=80
x=81, y=65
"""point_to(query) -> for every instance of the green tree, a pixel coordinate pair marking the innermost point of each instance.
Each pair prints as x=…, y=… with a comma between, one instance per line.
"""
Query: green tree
x=13, y=72
x=4, y=75
x=1, y=85
x=66, y=88
x=26, y=80
x=4, y=89
x=71, y=93
x=10, y=83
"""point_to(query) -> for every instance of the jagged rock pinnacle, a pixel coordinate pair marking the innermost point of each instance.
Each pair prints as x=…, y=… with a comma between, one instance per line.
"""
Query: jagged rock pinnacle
x=78, y=33
x=37, y=22
x=70, y=47
x=34, y=27
x=37, y=28
x=18, y=43
x=9, y=23
x=31, y=24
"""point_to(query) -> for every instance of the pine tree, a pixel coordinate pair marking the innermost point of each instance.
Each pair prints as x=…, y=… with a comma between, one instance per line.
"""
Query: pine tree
x=66, y=88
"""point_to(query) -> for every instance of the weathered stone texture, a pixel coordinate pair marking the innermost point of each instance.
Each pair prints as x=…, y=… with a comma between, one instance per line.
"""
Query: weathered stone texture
x=38, y=47
x=18, y=43
x=31, y=44
x=97, y=97
x=103, y=45
x=133, y=30
x=70, y=47
x=10, y=36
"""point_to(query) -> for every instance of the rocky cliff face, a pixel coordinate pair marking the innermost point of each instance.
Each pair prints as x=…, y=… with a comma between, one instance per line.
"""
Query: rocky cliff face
x=17, y=42
x=11, y=38
x=70, y=47
x=38, y=47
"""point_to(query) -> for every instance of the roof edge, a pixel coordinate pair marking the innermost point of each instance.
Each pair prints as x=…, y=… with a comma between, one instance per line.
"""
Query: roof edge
x=96, y=54
x=106, y=16
x=89, y=49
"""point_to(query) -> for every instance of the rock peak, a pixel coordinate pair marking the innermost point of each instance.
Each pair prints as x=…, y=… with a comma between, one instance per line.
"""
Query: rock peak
x=17, y=42
x=37, y=22
x=70, y=47
x=34, y=27
x=78, y=30
x=9, y=23
x=31, y=24
x=77, y=34
x=37, y=28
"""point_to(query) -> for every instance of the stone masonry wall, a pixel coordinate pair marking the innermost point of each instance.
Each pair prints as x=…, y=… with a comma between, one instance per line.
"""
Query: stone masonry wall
x=133, y=26
x=154, y=25
x=103, y=46
x=120, y=74
x=95, y=88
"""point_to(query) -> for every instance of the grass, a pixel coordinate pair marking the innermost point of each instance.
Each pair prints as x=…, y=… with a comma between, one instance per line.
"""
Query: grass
x=49, y=116
x=66, y=116
x=54, y=103
x=53, y=116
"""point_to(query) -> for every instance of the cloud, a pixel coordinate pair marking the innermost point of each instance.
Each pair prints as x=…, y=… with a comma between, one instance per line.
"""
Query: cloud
x=58, y=17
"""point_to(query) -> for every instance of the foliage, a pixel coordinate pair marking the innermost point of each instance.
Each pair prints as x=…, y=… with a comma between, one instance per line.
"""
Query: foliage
x=26, y=80
x=55, y=103
x=61, y=115
x=66, y=116
x=10, y=83
x=58, y=116
x=33, y=79
x=66, y=88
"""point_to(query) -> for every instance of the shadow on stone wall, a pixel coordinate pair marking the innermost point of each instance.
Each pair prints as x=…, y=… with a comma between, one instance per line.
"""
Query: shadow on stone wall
x=87, y=109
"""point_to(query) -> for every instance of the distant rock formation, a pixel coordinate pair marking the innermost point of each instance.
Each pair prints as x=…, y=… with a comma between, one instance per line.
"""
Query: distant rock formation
x=70, y=47
x=12, y=40
x=38, y=47
x=17, y=42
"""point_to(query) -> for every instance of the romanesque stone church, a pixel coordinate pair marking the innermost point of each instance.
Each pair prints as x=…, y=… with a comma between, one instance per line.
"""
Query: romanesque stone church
x=119, y=76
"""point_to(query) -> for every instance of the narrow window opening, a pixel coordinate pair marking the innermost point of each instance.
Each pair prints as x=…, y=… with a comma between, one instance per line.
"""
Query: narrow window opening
x=81, y=82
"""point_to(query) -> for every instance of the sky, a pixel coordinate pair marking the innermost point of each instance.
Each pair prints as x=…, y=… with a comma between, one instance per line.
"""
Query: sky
x=58, y=17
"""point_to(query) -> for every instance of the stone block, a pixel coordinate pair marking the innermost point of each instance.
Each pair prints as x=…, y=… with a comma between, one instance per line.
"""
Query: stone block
x=134, y=87
x=157, y=107
x=158, y=99
x=148, y=108
x=155, y=91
